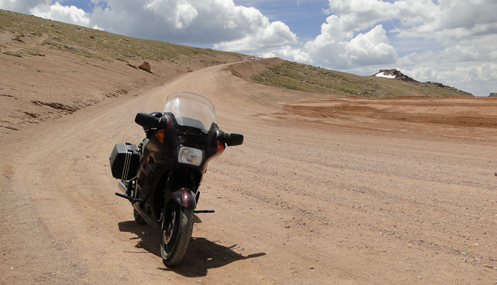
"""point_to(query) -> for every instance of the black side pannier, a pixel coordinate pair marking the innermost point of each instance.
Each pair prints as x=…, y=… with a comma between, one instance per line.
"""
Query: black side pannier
x=124, y=161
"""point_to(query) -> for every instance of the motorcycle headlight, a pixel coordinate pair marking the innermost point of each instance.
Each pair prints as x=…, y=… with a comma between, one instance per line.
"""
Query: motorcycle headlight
x=189, y=155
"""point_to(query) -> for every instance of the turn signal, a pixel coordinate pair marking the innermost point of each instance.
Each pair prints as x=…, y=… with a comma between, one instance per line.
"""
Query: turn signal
x=161, y=135
x=220, y=147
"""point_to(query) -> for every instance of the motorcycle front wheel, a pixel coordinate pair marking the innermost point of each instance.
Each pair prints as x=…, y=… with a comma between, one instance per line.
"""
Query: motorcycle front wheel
x=176, y=233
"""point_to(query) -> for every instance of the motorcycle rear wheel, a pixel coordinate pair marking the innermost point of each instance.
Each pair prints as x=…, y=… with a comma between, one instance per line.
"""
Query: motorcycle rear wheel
x=176, y=234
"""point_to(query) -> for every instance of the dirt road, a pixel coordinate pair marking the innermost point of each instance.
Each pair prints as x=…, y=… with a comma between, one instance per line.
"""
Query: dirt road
x=312, y=197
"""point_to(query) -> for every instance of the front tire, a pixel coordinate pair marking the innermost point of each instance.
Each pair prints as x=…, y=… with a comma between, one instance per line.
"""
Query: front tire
x=176, y=233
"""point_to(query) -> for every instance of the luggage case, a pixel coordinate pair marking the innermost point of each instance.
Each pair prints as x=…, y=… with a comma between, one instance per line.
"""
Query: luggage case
x=124, y=161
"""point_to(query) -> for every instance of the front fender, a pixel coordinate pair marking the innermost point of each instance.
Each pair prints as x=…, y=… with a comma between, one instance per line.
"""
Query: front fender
x=185, y=198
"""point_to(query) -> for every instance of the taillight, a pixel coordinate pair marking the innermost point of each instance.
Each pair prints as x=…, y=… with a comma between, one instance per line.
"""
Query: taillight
x=161, y=135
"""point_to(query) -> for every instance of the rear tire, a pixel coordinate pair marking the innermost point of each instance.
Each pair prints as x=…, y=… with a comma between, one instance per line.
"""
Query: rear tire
x=176, y=234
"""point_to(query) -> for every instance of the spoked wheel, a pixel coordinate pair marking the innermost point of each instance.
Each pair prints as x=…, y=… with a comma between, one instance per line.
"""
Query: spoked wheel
x=176, y=233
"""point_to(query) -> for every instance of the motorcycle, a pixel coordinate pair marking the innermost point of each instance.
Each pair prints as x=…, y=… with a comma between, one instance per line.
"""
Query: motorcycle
x=161, y=177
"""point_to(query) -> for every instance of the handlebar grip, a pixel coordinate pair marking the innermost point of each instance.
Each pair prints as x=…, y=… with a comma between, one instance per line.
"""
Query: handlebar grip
x=147, y=121
x=230, y=139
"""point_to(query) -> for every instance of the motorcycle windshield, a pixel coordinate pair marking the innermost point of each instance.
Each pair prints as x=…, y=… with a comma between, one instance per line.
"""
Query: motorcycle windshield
x=190, y=109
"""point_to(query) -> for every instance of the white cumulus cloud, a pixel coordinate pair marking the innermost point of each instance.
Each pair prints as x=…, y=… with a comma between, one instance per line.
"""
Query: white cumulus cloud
x=215, y=22
x=449, y=41
x=288, y=53
x=67, y=14
x=334, y=49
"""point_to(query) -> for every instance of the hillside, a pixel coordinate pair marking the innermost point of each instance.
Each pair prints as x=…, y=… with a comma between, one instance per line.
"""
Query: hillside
x=96, y=44
x=50, y=69
x=307, y=78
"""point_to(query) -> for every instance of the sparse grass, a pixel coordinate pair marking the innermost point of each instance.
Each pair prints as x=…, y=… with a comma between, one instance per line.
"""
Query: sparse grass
x=12, y=53
x=122, y=59
x=33, y=52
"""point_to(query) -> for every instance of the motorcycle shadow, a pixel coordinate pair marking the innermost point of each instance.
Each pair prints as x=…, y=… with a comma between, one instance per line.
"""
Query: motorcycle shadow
x=202, y=254
x=148, y=238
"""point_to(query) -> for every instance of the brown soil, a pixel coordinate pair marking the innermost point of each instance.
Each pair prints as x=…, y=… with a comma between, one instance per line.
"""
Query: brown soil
x=324, y=190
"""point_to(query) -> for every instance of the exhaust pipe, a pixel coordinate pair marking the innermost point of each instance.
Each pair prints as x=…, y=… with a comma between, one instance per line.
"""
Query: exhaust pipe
x=122, y=187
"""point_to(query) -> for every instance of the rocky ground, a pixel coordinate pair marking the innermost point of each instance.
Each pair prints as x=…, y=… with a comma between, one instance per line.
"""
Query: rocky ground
x=324, y=189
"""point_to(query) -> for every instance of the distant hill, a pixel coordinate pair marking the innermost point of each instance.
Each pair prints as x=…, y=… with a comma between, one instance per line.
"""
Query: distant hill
x=309, y=78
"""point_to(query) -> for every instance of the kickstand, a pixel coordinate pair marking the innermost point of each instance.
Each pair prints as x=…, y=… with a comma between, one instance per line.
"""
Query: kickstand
x=204, y=211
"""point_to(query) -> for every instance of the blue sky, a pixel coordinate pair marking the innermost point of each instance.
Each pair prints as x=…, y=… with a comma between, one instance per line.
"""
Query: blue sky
x=446, y=41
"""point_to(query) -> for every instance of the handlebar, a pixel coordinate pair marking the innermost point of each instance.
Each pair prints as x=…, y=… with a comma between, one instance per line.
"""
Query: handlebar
x=149, y=121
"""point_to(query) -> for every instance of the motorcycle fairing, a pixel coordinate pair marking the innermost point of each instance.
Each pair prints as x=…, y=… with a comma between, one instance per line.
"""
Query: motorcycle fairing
x=160, y=161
